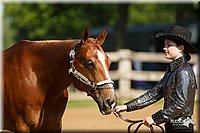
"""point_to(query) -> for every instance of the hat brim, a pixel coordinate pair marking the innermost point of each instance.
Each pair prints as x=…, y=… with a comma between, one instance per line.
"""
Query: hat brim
x=163, y=35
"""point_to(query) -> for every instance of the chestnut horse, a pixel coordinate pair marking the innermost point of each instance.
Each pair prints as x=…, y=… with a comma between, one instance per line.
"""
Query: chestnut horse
x=37, y=73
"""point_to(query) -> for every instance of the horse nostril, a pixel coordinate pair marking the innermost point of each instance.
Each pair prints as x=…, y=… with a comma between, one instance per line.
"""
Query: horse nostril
x=110, y=102
x=107, y=103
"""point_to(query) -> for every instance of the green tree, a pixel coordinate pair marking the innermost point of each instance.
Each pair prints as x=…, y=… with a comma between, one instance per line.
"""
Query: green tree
x=121, y=25
x=56, y=21
x=9, y=33
x=149, y=13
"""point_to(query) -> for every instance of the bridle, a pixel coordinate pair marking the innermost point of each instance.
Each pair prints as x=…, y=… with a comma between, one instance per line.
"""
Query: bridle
x=140, y=124
x=81, y=77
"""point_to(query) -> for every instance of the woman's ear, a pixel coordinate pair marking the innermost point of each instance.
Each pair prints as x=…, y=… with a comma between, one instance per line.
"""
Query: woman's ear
x=181, y=47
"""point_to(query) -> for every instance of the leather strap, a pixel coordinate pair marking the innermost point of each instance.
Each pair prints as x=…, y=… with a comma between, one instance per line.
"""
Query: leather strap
x=140, y=124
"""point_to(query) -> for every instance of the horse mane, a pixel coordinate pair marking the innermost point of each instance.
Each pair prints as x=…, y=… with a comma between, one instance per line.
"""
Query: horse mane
x=53, y=49
x=44, y=42
x=49, y=44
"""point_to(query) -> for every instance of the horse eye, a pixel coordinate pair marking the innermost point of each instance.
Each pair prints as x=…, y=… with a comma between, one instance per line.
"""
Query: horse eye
x=90, y=64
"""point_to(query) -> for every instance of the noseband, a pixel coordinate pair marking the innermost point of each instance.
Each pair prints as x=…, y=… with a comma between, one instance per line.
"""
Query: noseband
x=81, y=77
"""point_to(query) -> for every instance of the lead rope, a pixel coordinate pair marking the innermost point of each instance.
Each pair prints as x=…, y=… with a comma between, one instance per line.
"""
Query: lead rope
x=140, y=124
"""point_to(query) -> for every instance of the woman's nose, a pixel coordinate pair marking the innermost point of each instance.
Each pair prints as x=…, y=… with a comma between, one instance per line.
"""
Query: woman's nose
x=164, y=48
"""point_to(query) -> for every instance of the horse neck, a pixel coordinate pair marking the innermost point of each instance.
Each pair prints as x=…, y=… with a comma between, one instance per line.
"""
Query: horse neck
x=55, y=65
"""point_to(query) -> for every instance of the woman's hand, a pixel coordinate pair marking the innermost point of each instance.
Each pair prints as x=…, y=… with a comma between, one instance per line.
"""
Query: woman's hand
x=119, y=109
x=148, y=121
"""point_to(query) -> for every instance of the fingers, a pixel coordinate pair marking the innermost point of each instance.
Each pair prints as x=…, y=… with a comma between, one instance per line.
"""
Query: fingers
x=116, y=111
x=119, y=109
x=148, y=121
x=116, y=114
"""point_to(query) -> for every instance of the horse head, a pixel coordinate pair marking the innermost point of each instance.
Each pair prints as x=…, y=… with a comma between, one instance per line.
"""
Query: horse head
x=89, y=66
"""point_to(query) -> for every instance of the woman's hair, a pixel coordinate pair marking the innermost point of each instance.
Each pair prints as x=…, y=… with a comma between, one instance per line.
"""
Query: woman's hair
x=187, y=56
x=185, y=51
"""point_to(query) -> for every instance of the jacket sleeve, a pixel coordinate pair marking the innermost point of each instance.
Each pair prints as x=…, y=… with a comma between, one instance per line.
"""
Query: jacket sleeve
x=148, y=98
x=180, y=98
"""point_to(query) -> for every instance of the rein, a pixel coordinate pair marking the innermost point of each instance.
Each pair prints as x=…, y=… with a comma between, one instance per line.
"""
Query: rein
x=139, y=125
x=81, y=77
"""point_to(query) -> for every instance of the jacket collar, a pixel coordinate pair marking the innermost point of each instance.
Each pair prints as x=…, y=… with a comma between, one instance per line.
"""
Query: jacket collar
x=176, y=63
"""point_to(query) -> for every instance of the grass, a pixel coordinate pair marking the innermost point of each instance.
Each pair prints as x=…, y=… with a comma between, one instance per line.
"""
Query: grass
x=90, y=103
x=81, y=103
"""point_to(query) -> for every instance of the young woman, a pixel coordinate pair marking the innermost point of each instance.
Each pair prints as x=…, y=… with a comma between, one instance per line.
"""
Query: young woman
x=177, y=87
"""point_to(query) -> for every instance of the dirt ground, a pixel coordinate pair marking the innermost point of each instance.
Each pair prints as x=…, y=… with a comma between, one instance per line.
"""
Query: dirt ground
x=90, y=119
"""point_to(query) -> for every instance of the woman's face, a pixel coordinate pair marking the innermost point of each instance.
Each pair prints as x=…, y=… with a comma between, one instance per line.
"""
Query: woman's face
x=172, y=51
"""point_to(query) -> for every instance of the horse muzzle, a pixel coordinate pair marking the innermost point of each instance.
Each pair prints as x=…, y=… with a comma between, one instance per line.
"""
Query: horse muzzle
x=106, y=105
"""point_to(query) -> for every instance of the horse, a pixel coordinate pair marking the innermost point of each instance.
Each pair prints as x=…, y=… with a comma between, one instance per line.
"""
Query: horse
x=36, y=75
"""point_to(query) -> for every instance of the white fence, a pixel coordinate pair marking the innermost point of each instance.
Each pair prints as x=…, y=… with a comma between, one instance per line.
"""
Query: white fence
x=125, y=74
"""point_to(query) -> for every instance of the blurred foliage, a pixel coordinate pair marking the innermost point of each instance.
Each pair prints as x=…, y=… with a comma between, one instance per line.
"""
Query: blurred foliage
x=55, y=21
x=63, y=21
x=9, y=33
x=152, y=13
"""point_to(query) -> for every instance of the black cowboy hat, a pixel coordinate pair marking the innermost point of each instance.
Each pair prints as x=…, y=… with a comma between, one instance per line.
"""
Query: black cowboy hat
x=177, y=34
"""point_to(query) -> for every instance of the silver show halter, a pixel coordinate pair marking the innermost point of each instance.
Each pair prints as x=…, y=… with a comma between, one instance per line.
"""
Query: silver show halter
x=81, y=77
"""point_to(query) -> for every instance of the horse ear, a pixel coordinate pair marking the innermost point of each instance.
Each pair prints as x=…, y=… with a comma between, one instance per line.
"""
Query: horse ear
x=85, y=36
x=101, y=38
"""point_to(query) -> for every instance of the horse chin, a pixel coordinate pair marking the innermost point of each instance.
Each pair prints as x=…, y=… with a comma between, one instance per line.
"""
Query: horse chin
x=107, y=111
x=104, y=110
x=105, y=105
